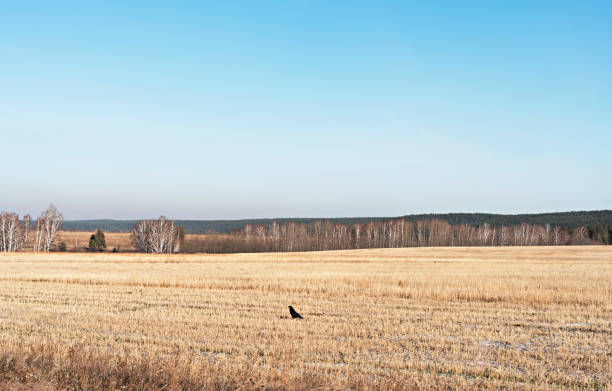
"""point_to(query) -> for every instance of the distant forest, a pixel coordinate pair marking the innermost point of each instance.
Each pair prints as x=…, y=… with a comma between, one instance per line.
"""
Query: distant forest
x=566, y=220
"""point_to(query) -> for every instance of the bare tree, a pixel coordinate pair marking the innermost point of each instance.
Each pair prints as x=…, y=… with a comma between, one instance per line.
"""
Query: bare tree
x=556, y=235
x=53, y=221
x=4, y=231
x=11, y=232
x=47, y=226
x=162, y=235
x=39, y=234
x=140, y=237
x=179, y=239
x=156, y=236
x=260, y=231
x=484, y=231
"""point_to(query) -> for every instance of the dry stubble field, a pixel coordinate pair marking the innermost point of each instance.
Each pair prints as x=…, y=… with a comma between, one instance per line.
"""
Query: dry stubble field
x=488, y=318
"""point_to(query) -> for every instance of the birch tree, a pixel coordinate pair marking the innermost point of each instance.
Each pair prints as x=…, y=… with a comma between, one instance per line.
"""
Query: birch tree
x=47, y=225
x=38, y=234
x=156, y=236
x=11, y=232
x=53, y=221
x=140, y=236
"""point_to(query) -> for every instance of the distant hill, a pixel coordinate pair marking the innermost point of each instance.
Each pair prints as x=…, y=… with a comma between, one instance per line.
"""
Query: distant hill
x=563, y=219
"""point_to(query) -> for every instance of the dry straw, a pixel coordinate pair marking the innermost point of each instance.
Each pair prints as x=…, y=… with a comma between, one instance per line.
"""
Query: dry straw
x=515, y=318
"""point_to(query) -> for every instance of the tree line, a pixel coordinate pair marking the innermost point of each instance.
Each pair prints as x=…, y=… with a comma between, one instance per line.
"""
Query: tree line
x=568, y=220
x=324, y=235
x=165, y=236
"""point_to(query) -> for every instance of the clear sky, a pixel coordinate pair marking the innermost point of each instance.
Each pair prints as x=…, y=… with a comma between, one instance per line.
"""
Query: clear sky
x=209, y=110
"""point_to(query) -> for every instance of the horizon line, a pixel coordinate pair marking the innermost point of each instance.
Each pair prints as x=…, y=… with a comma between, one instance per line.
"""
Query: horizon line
x=344, y=217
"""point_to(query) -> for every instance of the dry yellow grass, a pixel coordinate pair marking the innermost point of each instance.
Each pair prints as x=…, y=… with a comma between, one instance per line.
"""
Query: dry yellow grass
x=515, y=318
x=77, y=240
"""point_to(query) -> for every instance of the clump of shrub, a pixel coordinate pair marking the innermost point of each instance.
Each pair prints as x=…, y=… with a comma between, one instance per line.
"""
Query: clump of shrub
x=97, y=241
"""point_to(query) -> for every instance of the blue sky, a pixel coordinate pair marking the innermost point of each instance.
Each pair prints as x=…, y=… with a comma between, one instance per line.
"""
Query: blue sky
x=211, y=110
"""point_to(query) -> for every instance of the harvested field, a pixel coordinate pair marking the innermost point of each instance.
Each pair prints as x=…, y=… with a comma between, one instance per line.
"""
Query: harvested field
x=488, y=318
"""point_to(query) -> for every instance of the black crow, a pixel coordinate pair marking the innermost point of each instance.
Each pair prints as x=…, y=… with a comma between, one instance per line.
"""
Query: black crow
x=294, y=314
